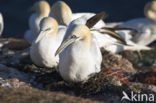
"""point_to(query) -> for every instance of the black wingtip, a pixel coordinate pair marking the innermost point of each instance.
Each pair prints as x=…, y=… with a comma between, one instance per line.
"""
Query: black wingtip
x=132, y=31
x=93, y=20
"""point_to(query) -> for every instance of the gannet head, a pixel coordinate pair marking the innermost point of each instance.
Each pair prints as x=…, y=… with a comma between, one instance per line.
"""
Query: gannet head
x=41, y=7
x=77, y=33
x=48, y=26
x=150, y=10
x=62, y=12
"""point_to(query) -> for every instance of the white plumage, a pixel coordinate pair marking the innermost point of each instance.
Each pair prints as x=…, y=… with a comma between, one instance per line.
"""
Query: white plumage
x=1, y=24
x=28, y=35
x=42, y=9
x=81, y=56
x=63, y=14
x=49, y=39
x=146, y=27
x=108, y=42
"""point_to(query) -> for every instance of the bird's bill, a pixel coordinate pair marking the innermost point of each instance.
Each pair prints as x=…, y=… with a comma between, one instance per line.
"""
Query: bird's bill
x=40, y=36
x=64, y=45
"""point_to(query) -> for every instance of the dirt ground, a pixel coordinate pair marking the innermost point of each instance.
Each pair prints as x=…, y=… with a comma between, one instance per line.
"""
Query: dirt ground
x=22, y=81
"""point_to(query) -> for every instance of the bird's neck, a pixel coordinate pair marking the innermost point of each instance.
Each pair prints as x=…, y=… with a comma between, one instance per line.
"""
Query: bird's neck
x=79, y=48
x=86, y=44
x=87, y=40
x=43, y=13
x=53, y=35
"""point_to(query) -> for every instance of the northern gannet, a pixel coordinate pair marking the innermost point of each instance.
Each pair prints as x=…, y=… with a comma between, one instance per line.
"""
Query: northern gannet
x=108, y=38
x=1, y=24
x=115, y=42
x=28, y=35
x=63, y=14
x=43, y=49
x=146, y=27
x=42, y=9
x=80, y=55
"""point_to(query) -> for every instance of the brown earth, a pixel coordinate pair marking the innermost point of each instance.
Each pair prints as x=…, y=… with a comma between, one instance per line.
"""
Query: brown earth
x=22, y=81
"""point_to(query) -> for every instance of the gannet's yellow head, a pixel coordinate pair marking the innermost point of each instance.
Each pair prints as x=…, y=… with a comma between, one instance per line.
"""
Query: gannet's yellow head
x=82, y=32
x=150, y=10
x=42, y=8
x=62, y=12
x=48, y=26
x=77, y=33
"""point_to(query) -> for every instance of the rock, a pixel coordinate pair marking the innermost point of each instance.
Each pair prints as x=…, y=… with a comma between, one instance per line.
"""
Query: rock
x=116, y=61
x=10, y=77
x=141, y=87
x=14, y=43
x=118, y=73
x=147, y=61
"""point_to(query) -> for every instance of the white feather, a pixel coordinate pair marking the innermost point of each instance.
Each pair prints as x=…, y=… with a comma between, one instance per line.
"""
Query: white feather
x=1, y=24
x=146, y=30
x=77, y=64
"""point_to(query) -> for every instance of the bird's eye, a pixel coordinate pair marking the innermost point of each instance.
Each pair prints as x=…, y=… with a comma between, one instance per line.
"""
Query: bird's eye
x=47, y=29
x=73, y=36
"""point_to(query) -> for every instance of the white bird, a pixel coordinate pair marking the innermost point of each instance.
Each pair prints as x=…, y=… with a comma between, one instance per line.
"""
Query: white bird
x=28, y=35
x=115, y=44
x=108, y=39
x=42, y=9
x=1, y=24
x=146, y=27
x=81, y=56
x=43, y=48
x=63, y=14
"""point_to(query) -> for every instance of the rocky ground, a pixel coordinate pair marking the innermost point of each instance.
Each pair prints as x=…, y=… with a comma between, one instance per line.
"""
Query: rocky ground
x=23, y=82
